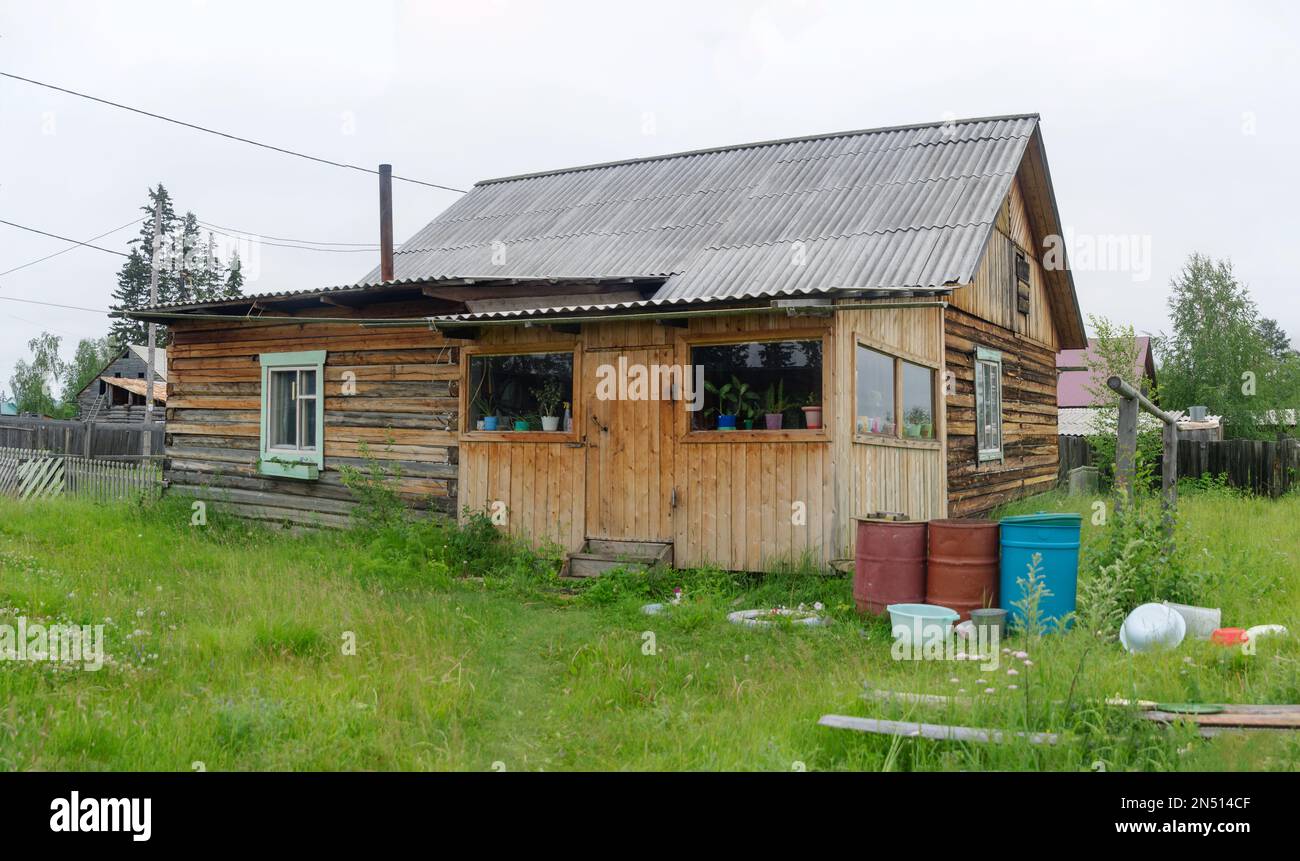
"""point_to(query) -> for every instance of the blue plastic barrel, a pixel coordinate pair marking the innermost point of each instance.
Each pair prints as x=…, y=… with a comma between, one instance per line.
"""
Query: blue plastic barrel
x=1056, y=538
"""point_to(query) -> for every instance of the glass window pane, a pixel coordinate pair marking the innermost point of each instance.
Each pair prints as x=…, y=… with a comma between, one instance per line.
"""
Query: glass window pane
x=762, y=385
x=875, y=396
x=308, y=418
x=306, y=383
x=282, y=422
x=918, y=401
x=988, y=415
x=535, y=388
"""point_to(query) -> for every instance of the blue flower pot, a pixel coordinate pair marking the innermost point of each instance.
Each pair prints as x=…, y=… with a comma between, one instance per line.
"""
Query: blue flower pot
x=726, y=422
x=489, y=423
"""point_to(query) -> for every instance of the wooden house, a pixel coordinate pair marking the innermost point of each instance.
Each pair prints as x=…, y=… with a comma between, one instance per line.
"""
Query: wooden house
x=891, y=283
x=117, y=393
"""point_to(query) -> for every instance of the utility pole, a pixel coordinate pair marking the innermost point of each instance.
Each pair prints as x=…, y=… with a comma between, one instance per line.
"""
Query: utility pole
x=153, y=330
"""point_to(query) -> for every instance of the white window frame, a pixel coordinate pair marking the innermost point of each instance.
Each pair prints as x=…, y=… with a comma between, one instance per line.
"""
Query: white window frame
x=984, y=358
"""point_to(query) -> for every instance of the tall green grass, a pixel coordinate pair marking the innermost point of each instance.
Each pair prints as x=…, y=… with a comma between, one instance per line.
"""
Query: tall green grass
x=228, y=645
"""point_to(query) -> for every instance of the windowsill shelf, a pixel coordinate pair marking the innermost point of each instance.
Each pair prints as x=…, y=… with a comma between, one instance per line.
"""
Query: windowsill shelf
x=520, y=436
x=898, y=442
x=750, y=436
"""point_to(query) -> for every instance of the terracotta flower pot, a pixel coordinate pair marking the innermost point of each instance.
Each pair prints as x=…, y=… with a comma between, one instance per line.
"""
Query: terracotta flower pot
x=812, y=417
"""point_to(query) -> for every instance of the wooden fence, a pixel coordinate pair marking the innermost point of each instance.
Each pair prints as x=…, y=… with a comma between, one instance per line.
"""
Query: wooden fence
x=31, y=474
x=1265, y=468
x=116, y=440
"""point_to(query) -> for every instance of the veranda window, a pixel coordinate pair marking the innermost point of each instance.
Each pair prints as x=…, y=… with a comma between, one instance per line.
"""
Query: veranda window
x=520, y=392
x=894, y=397
x=758, y=385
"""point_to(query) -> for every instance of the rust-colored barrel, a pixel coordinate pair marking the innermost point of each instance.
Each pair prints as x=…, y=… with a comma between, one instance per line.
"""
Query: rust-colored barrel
x=889, y=565
x=962, y=562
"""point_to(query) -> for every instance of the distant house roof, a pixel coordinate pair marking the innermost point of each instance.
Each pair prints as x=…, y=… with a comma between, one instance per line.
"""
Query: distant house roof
x=8, y=407
x=1086, y=421
x=889, y=209
x=141, y=352
x=136, y=386
x=1074, y=379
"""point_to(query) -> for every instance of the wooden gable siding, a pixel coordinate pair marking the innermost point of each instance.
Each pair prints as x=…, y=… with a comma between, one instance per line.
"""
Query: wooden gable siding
x=991, y=295
x=984, y=313
x=404, y=410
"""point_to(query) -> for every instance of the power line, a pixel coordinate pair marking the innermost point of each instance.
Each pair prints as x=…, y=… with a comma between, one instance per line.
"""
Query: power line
x=218, y=227
x=52, y=304
x=264, y=241
x=71, y=247
x=66, y=239
x=227, y=135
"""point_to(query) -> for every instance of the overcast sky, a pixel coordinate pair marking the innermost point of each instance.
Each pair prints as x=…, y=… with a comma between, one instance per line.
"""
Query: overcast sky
x=1173, y=125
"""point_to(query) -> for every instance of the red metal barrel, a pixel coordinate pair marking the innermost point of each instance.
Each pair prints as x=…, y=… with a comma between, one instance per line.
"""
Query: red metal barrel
x=890, y=564
x=963, y=565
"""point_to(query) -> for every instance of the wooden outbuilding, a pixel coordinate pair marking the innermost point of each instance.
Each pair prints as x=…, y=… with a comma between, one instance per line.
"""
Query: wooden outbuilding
x=722, y=356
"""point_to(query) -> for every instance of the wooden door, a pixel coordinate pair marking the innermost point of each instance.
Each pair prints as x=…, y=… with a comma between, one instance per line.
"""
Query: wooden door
x=630, y=447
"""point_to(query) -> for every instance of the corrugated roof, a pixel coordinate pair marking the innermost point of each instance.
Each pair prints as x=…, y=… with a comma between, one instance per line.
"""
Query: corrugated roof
x=897, y=208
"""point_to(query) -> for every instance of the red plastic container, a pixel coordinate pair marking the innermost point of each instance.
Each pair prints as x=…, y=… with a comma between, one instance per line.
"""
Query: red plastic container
x=889, y=564
x=1228, y=636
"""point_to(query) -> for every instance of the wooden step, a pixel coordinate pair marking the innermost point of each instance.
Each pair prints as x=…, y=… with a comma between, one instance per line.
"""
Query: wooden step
x=600, y=555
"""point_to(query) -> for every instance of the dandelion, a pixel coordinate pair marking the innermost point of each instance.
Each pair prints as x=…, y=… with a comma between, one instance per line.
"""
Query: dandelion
x=818, y=606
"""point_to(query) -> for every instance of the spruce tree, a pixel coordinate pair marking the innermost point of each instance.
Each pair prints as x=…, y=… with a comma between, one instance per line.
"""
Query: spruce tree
x=133, y=278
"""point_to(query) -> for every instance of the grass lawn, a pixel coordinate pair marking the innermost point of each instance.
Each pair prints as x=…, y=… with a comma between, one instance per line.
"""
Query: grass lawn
x=227, y=646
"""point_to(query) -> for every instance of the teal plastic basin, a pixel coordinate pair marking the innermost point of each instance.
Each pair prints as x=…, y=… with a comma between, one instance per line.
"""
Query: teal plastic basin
x=919, y=619
x=1056, y=538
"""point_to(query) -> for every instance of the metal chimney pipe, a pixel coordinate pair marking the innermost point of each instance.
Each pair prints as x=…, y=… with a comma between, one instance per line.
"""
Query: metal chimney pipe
x=386, y=222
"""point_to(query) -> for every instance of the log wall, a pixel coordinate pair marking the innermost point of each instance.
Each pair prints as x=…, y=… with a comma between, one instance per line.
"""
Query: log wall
x=404, y=411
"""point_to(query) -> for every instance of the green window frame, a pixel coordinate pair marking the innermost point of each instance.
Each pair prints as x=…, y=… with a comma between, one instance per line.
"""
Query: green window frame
x=302, y=371
x=988, y=404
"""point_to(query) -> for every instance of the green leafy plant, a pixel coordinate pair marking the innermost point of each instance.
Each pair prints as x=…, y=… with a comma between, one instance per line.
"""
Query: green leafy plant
x=549, y=396
x=774, y=399
x=1033, y=589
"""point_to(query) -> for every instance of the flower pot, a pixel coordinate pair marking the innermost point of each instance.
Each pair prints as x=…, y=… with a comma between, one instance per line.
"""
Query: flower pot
x=726, y=422
x=927, y=430
x=479, y=425
x=812, y=417
x=773, y=420
x=521, y=425
x=911, y=431
x=550, y=423
x=489, y=423
x=749, y=424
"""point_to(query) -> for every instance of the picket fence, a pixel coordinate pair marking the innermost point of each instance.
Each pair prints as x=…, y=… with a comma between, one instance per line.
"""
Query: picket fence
x=32, y=474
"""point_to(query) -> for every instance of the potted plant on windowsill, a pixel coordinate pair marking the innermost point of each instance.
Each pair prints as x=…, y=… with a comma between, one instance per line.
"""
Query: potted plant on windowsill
x=549, y=397
x=775, y=405
x=812, y=412
x=916, y=419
